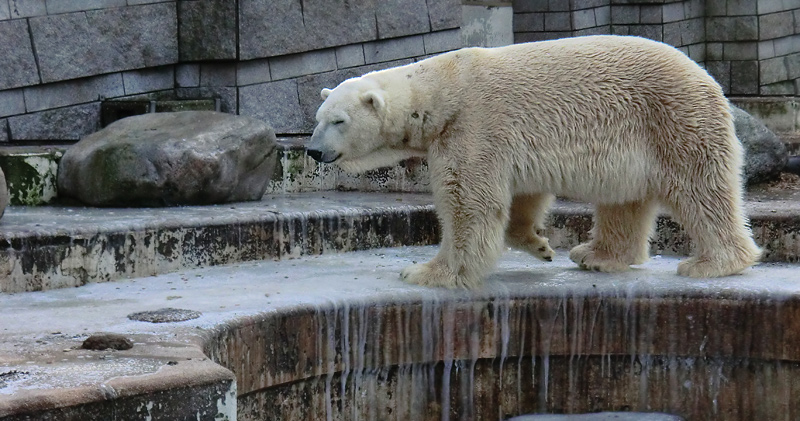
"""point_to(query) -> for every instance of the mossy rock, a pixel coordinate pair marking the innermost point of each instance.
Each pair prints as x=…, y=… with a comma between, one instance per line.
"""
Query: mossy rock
x=31, y=177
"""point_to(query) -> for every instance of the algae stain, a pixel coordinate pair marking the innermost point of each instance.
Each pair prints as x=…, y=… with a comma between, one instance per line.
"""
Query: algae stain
x=31, y=178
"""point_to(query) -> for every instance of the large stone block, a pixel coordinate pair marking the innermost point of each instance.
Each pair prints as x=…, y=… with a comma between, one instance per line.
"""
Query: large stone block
x=583, y=19
x=55, y=7
x=60, y=94
x=218, y=74
x=775, y=25
x=188, y=75
x=522, y=6
x=793, y=66
x=278, y=27
x=744, y=77
x=11, y=102
x=444, y=14
x=148, y=80
x=779, y=88
x=651, y=14
x=207, y=30
x=773, y=70
x=787, y=45
x=270, y=28
x=741, y=7
x=68, y=123
x=27, y=8
x=81, y=44
x=597, y=30
x=438, y=42
x=276, y=103
x=557, y=21
x=252, y=72
x=339, y=22
x=528, y=22
x=193, y=157
x=738, y=28
x=18, y=67
x=394, y=49
x=721, y=71
x=350, y=56
x=741, y=51
x=396, y=18
x=4, y=130
x=771, y=6
x=654, y=32
x=602, y=15
x=302, y=64
x=4, y=11
x=624, y=15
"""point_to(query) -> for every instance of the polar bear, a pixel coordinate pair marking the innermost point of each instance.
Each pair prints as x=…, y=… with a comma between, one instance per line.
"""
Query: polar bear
x=626, y=123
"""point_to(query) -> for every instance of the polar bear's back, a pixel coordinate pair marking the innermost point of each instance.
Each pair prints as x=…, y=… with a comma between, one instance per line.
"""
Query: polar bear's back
x=628, y=109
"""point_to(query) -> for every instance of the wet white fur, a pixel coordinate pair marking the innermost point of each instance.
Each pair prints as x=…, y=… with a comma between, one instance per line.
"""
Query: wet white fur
x=623, y=122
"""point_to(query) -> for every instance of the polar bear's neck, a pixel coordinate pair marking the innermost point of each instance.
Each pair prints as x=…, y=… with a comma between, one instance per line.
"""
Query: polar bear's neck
x=422, y=103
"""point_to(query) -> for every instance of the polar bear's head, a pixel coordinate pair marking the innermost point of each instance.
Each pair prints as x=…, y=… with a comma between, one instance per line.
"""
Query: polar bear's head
x=360, y=127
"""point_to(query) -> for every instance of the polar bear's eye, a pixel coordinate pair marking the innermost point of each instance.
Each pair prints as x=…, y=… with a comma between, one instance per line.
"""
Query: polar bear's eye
x=337, y=122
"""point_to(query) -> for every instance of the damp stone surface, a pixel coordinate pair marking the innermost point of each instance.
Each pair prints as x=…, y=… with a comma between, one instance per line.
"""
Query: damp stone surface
x=340, y=337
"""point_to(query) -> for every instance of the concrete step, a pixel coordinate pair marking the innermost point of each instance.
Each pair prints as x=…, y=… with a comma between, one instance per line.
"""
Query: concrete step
x=50, y=247
x=338, y=336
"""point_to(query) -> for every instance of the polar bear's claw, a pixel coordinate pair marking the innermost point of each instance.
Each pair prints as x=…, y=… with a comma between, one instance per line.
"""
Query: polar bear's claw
x=434, y=274
x=535, y=245
x=589, y=259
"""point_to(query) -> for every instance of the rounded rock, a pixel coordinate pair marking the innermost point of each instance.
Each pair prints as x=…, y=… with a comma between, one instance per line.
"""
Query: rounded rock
x=165, y=159
x=765, y=155
x=102, y=341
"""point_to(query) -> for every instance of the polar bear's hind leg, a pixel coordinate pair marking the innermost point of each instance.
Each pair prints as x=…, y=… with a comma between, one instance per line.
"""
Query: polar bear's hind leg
x=620, y=237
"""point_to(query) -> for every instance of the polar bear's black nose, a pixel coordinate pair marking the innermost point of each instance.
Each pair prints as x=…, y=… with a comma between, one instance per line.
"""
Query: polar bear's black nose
x=314, y=154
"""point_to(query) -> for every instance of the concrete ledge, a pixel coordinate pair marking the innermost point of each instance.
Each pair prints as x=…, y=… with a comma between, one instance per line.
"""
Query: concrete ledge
x=45, y=248
x=340, y=336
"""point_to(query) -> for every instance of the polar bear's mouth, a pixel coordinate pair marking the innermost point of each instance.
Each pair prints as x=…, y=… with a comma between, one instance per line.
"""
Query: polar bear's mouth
x=379, y=158
x=325, y=157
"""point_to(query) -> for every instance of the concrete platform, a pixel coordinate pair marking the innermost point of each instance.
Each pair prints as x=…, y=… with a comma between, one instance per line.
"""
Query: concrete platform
x=51, y=247
x=43, y=371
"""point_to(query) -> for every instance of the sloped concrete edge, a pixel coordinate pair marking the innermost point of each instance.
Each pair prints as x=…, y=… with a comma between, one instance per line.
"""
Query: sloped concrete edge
x=195, y=388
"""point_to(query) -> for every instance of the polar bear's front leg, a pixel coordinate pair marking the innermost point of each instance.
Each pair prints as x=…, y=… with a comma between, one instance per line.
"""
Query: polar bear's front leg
x=473, y=213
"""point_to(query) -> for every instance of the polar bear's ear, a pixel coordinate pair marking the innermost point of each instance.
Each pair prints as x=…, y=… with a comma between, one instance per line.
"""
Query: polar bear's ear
x=324, y=94
x=374, y=98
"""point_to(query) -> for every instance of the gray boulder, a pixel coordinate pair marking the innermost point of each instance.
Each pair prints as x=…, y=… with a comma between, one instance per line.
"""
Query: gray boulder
x=164, y=159
x=765, y=153
x=4, y=197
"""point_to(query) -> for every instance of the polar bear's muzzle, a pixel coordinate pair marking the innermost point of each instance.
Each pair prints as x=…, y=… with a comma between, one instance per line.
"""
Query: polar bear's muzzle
x=322, y=156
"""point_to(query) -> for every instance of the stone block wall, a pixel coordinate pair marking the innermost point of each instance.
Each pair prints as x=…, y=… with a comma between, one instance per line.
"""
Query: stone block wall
x=264, y=58
x=752, y=47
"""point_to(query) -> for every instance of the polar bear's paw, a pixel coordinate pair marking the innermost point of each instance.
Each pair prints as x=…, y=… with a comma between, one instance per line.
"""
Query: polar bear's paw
x=433, y=274
x=590, y=259
x=536, y=246
x=696, y=267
